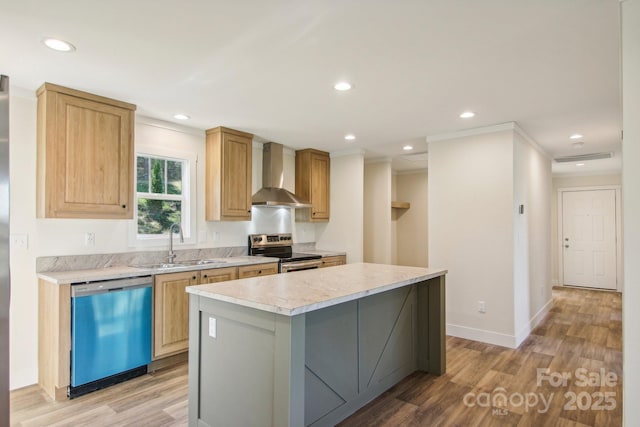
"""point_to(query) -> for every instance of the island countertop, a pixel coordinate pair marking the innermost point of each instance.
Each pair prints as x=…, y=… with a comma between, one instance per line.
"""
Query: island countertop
x=300, y=292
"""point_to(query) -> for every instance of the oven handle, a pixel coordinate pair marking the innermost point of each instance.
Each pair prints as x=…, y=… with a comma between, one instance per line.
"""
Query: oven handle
x=301, y=265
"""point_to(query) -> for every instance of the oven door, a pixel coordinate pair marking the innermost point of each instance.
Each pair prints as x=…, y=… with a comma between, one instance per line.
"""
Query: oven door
x=288, y=267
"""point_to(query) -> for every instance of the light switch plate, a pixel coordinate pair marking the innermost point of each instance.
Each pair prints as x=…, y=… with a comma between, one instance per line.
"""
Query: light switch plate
x=19, y=241
x=212, y=327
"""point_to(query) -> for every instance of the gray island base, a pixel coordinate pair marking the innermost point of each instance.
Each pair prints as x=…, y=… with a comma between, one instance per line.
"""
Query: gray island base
x=310, y=348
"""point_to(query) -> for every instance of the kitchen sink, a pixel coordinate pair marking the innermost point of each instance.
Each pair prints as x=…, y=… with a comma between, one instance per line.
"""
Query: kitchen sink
x=188, y=263
x=202, y=262
x=159, y=265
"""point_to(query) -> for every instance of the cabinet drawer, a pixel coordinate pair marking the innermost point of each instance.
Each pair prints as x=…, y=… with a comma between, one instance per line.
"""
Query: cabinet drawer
x=331, y=261
x=215, y=275
x=257, y=270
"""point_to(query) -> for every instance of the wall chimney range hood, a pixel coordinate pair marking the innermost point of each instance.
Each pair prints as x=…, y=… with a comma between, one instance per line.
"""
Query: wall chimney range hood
x=272, y=194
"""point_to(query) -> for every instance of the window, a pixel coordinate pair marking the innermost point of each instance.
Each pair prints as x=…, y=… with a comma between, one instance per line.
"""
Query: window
x=162, y=195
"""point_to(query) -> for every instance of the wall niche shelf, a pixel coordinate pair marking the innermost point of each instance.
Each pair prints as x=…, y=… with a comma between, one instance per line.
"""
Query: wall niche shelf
x=400, y=205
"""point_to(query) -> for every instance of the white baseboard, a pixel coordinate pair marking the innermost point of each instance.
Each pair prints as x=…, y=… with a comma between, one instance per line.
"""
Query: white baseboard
x=482, y=335
x=498, y=338
x=535, y=321
x=555, y=282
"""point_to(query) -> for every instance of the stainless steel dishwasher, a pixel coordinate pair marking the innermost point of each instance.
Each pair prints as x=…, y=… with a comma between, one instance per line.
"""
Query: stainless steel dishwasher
x=110, y=332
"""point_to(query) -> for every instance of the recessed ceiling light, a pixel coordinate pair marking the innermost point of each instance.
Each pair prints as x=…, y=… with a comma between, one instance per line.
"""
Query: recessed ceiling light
x=181, y=117
x=59, y=45
x=467, y=115
x=579, y=164
x=350, y=137
x=407, y=148
x=342, y=86
x=575, y=136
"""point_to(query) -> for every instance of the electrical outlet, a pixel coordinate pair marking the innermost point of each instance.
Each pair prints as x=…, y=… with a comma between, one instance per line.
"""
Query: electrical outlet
x=482, y=307
x=89, y=239
x=213, y=327
x=19, y=241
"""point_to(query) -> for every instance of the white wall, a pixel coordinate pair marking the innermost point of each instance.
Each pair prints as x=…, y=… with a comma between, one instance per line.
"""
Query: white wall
x=532, y=239
x=377, y=212
x=411, y=224
x=570, y=182
x=24, y=295
x=344, y=232
x=477, y=181
x=631, y=208
x=470, y=190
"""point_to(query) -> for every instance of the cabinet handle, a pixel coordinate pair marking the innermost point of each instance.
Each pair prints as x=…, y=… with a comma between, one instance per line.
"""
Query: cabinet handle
x=314, y=214
x=259, y=271
x=124, y=206
x=194, y=277
x=205, y=276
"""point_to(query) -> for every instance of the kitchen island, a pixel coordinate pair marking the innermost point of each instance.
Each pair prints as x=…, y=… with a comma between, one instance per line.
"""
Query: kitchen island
x=310, y=347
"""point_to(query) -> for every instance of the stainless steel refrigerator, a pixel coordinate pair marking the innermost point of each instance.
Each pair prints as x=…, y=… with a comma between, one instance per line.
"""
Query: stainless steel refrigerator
x=5, y=280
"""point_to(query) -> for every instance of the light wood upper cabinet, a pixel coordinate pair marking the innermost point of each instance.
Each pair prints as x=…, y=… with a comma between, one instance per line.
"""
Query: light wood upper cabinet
x=171, y=312
x=228, y=175
x=85, y=155
x=312, y=183
x=257, y=270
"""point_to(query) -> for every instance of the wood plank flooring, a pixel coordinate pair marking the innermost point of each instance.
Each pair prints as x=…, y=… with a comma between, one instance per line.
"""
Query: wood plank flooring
x=582, y=330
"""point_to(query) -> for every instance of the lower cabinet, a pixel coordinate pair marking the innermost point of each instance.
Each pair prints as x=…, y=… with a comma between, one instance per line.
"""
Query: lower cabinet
x=171, y=312
x=332, y=261
x=257, y=270
x=171, y=303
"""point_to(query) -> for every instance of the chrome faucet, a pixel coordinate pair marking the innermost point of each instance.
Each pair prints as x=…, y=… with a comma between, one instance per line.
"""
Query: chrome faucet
x=172, y=254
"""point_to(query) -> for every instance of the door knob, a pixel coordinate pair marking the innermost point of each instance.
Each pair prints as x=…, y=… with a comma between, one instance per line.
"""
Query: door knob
x=566, y=246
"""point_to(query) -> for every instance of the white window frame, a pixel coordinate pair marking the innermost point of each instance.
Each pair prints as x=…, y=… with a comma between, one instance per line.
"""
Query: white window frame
x=189, y=195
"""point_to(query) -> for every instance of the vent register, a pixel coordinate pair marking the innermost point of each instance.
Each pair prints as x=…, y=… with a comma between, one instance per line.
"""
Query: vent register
x=584, y=157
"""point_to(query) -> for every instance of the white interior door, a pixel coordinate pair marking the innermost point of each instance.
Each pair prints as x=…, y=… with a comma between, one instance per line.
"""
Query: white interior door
x=589, y=238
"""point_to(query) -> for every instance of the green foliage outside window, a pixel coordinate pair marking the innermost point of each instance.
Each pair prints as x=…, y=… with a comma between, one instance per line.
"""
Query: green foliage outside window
x=160, y=198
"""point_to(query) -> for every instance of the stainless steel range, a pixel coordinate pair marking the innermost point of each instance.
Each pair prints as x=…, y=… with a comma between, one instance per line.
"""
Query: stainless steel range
x=280, y=246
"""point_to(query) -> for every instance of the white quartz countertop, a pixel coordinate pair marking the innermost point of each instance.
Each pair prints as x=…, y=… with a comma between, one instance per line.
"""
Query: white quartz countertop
x=119, y=272
x=304, y=291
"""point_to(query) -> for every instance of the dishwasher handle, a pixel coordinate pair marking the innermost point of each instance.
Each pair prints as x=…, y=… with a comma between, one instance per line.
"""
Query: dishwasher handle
x=104, y=286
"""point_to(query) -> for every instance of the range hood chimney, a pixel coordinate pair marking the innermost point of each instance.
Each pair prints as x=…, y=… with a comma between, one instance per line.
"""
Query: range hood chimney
x=272, y=194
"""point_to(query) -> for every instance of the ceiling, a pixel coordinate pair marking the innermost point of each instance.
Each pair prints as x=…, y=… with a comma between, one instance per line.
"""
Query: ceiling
x=268, y=67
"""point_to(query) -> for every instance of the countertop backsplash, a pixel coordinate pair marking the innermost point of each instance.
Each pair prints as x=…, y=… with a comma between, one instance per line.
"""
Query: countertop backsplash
x=85, y=262
x=306, y=246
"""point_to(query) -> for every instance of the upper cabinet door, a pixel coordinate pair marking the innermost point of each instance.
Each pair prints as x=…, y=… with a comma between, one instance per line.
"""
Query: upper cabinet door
x=85, y=155
x=228, y=175
x=320, y=187
x=312, y=183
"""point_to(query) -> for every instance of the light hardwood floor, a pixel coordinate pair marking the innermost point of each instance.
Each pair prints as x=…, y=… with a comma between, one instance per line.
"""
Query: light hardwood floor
x=582, y=330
